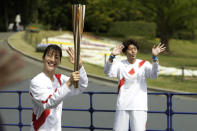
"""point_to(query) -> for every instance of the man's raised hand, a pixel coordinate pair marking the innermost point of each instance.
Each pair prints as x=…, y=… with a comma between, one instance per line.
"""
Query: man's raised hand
x=157, y=49
x=117, y=50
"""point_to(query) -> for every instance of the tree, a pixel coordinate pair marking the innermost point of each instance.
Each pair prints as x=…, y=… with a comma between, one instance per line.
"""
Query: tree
x=100, y=14
x=169, y=16
x=5, y=16
x=10, y=8
x=97, y=15
x=56, y=13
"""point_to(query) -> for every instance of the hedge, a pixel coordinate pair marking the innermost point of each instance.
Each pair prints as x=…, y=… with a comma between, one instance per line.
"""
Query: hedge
x=135, y=28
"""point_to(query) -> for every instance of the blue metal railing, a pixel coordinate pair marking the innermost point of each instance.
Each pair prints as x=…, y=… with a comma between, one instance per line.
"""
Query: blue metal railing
x=168, y=112
x=172, y=113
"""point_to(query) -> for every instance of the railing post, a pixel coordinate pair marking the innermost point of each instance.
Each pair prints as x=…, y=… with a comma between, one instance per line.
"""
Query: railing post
x=182, y=76
x=171, y=112
x=20, y=124
x=105, y=58
x=168, y=112
x=91, y=110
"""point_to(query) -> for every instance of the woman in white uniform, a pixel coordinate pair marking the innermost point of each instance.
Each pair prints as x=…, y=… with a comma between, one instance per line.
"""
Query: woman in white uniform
x=132, y=90
x=48, y=89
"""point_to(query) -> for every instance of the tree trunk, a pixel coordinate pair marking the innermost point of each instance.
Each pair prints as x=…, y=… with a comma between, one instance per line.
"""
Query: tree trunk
x=165, y=40
x=5, y=15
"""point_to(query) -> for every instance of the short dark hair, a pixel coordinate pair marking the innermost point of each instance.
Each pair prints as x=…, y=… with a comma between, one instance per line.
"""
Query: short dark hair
x=52, y=47
x=128, y=42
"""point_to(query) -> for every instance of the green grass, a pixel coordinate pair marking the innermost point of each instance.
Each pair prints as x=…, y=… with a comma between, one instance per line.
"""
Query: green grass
x=17, y=40
x=175, y=83
x=35, y=38
x=183, y=53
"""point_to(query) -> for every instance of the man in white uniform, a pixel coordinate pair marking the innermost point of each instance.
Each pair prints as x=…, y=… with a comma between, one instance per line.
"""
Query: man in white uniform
x=132, y=90
x=48, y=90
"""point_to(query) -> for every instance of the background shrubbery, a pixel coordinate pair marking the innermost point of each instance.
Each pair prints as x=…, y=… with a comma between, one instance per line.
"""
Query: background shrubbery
x=185, y=35
x=128, y=28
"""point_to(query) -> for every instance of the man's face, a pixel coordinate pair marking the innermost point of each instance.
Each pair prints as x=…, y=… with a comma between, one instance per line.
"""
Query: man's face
x=131, y=52
x=51, y=60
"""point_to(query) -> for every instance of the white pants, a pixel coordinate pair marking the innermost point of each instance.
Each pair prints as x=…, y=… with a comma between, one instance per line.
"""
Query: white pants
x=137, y=120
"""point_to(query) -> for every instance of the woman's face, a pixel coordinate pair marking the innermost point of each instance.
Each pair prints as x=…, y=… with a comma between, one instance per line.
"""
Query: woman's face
x=51, y=61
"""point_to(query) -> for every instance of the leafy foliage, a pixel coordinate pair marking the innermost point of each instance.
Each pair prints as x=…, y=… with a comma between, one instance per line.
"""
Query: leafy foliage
x=138, y=28
x=173, y=18
x=170, y=16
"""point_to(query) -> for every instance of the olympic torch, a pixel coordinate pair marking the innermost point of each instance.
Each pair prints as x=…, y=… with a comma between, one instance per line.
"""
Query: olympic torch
x=78, y=15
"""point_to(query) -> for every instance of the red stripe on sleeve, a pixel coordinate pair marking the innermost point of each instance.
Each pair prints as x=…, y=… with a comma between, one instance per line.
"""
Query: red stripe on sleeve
x=121, y=83
x=43, y=102
x=40, y=121
x=58, y=76
x=141, y=63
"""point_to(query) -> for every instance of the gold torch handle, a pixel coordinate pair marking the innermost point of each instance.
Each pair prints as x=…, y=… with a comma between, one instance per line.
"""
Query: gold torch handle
x=78, y=15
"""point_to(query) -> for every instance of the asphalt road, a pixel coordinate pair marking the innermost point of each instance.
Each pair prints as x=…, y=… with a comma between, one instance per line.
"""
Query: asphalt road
x=100, y=101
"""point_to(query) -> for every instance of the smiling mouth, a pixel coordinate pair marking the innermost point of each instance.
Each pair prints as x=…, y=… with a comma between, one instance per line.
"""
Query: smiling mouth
x=51, y=64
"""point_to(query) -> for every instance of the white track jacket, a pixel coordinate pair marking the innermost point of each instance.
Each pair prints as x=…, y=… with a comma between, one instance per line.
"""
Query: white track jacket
x=132, y=82
x=47, y=99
